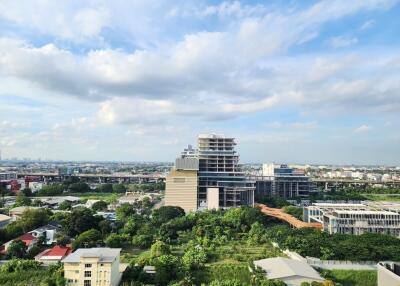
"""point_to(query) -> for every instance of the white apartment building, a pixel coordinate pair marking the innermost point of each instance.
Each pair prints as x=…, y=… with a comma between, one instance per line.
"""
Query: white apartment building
x=354, y=218
x=93, y=267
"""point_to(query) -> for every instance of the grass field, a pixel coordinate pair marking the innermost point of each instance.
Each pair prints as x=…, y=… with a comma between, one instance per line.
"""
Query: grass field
x=352, y=277
x=223, y=272
x=97, y=196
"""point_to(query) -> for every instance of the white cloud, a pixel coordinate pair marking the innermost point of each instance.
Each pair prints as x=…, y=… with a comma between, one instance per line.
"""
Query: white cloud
x=71, y=20
x=81, y=81
x=367, y=25
x=343, y=41
x=293, y=125
x=362, y=129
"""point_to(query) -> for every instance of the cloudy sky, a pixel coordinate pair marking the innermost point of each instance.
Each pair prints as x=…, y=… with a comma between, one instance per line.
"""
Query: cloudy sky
x=293, y=81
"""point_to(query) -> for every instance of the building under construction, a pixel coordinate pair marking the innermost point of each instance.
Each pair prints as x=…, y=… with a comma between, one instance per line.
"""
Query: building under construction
x=209, y=177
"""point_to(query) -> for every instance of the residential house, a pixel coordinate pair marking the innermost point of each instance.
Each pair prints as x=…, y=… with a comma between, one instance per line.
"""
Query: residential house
x=291, y=272
x=48, y=231
x=53, y=255
x=26, y=238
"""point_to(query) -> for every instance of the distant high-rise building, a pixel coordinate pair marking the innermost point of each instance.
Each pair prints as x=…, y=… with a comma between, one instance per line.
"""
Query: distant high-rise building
x=281, y=181
x=209, y=177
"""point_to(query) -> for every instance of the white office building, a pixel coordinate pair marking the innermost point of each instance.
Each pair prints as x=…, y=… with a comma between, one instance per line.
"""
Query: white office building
x=354, y=218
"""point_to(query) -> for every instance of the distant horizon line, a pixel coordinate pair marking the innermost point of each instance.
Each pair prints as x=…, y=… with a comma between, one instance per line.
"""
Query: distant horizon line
x=172, y=162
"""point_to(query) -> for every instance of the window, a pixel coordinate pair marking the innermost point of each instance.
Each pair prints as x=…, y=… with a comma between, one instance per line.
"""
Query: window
x=179, y=180
x=76, y=271
x=101, y=264
x=87, y=283
x=88, y=265
x=88, y=273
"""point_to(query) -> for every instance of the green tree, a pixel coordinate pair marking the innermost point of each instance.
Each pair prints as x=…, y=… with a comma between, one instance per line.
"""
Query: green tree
x=142, y=240
x=51, y=190
x=159, y=248
x=89, y=238
x=119, y=188
x=33, y=251
x=27, y=192
x=229, y=282
x=19, y=265
x=104, y=227
x=79, y=188
x=99, y=206
x=65, y=205
x=167, y=213
x=104, y=188
x=80, y=220
x=194, y=258
x=63, y=239
x=22, y=200
x=124, y=211
x=167, y=268
x=116, y=240
x=17, y=249
x=33, y=218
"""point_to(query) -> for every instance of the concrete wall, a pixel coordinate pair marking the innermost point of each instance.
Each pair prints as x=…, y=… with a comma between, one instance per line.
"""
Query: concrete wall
x=212, y=198
x=181, y=189
x=387, y=277
x=102, y=274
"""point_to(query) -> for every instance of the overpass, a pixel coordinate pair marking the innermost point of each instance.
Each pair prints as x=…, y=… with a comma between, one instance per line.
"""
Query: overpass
x=334, y=183
x=97, y=178
x=281, y=215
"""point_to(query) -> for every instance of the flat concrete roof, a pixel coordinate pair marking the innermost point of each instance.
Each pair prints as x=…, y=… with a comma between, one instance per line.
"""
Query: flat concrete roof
x=104, y=254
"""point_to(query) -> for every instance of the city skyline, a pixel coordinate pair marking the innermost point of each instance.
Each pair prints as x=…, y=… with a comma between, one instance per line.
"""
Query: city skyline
x=300, y=82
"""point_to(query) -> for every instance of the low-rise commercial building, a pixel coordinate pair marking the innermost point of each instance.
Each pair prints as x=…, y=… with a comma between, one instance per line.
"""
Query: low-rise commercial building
x=353, y=218
x=388, y=273
x=93, y=267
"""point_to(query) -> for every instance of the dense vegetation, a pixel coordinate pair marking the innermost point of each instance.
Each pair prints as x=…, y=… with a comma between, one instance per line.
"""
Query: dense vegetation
x=352, y=277
x=207, y=247
x=29, y=272
x=311, y=242
x=211, y=247
x=30, y=220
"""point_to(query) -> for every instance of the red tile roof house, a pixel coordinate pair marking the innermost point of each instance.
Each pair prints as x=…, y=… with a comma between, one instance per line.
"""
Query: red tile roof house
x=27, y=238
x=53, y=255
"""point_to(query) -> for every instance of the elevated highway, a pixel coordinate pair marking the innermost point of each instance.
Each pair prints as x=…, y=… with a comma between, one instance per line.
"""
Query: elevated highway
x=97, y=178
x=337, y=183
